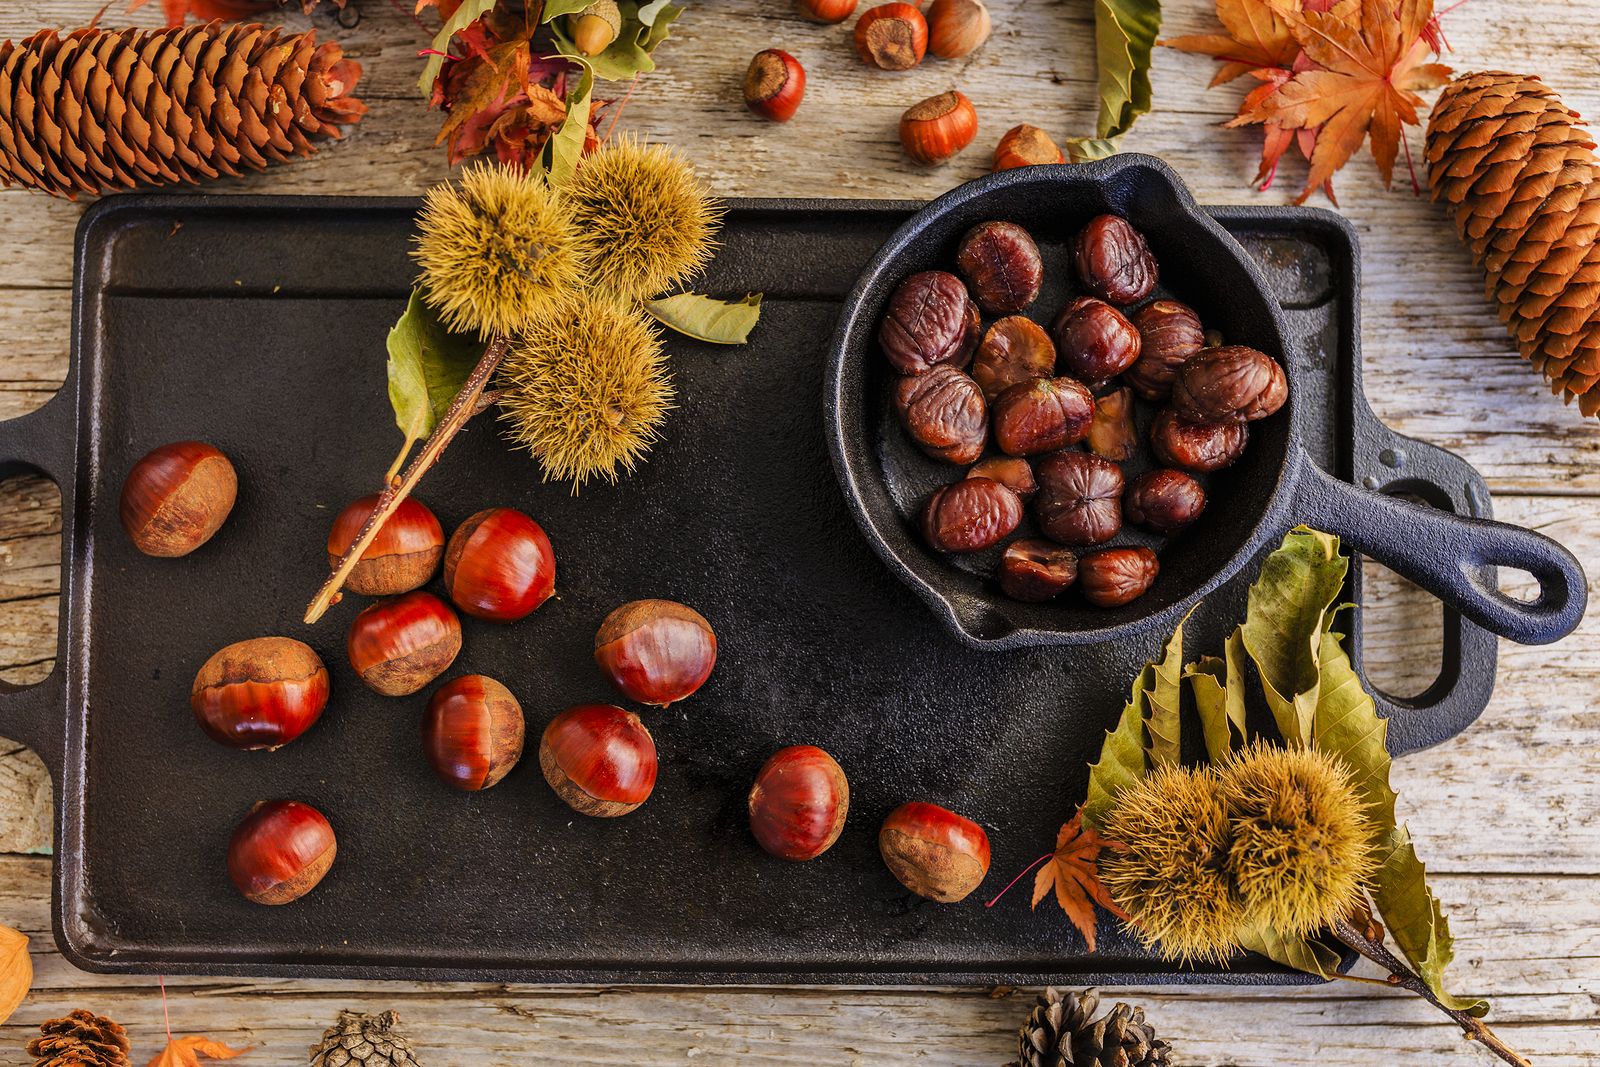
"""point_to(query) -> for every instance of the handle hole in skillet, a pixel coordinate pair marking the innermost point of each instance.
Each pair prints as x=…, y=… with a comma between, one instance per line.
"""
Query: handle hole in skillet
x=30, y=575
x=1520, y=586
x=1402, y=646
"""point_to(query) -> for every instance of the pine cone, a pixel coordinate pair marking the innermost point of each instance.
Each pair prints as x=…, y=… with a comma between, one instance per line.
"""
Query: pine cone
x=358, y=1040
x=1519, y=172
x=1060, y=1033
x=98, y=110
x=80, y=1039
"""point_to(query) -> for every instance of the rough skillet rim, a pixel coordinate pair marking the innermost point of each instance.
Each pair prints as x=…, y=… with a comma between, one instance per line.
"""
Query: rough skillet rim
x=841, y=405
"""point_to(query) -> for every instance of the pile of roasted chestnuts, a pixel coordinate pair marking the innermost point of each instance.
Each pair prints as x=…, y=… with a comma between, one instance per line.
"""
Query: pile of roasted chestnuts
x=1014, y=402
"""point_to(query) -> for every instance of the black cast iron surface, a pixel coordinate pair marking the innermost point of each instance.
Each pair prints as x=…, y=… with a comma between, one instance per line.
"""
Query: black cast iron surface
x=258, y=325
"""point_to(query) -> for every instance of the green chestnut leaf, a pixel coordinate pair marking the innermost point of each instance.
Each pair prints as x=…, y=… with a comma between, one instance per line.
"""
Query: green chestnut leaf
x=428, y=365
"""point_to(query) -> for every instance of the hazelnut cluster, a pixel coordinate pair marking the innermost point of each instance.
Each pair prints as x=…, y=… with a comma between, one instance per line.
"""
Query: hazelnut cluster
x=1034, y=395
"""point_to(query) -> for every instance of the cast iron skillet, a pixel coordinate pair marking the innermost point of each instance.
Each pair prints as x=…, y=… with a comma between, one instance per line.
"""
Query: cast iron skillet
x=1251, y=505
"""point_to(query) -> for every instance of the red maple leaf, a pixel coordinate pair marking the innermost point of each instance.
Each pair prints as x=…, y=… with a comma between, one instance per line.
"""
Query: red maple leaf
x=1072, y=874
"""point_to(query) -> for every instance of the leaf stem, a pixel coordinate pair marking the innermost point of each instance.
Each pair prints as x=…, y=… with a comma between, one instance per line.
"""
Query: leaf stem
x=1018, y=878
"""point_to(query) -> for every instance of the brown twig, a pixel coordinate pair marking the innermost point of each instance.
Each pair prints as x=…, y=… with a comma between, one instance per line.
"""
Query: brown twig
x=462, y=408
x=1406, y=978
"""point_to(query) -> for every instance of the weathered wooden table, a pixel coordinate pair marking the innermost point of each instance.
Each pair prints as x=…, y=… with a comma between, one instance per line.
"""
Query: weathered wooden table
x=1507, y=815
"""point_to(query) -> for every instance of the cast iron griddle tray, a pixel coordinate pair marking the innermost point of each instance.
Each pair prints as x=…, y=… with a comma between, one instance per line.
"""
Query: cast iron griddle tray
x=258, y=324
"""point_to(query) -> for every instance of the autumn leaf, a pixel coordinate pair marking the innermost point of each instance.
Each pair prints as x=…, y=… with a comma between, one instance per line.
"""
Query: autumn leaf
x=204, y=10
x=16, y=971
x=1258, y=38
x=186, y=1052
x=1071, y=873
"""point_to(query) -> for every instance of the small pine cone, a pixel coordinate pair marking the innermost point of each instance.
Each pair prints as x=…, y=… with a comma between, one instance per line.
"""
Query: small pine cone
x=1120, y=1038
x=1062, y=1032
x=1045, y=1040
x=80, y=1039
x=358, y=1040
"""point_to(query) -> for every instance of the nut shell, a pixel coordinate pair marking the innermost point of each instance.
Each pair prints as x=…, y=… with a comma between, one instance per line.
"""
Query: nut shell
x=1026, y=146
x=1013, y=472
x=472, y=732
x=774, y=85
x=656, y=651
x=1113, y=577
x=1042, y=416
x=1197, y=446
x=1169, y=333
x=1164, y=501
x=933, y=130
x=970, y=515
x=1080, y=498
x=401, y=644
x=934, y=852
x=177, y=497
x=280, y=851
x=1112, y=434
x=1001, y=262
x=1014, y=350
x=261, y=693
x=944, y=413
x=891, y=36
x=1094, y=340
x=930, y=320
x=499, y=565
x=799, y=803
x=403, y=556
x=1034, y=570
x=1113, y=261
x=827, y=10
x=957, y=27
x=1230, y=382
x=599, y=759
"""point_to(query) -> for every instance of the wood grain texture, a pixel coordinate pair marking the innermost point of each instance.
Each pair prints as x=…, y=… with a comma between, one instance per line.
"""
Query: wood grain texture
x=1507, y=815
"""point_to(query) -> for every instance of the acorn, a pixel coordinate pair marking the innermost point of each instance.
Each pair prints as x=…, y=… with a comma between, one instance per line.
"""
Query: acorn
x=595, y=27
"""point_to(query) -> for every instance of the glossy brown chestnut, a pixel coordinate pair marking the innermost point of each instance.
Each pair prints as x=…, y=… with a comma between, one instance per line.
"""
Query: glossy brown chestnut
x=1026, y=146
x=1113, y=577
x=472, y=732
x=933, y=130
x=970, y=515
x=1169, y=333
x=599, y=759
x=1164, y=501
x=1035, y=570
x=401, y=644
x=944, y=413
x=1013, y=472
x=799, y=803
x=402, y=557
x=934, y=852
x=177, y=497
x=261, y=693
x=1013, y=351
x=1001, y=263
x=1197, y=446
x=280, y=851
x=1042, y=416
x=656, y=651
x=499, y=565
x=1113, y=261
x=891, y=36
x=1112, y=435
x=1094, y=341
x=931, y=320
x=774, y=85
x=1080, y=498
x=1231, y=382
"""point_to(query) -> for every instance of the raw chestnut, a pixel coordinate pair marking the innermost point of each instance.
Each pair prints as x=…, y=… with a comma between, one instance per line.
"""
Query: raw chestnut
x=1080, y=498
x=1197, y=446
x=1015, y=350
x=261, y=693
x=472, y=732
x=934, y=852
x=1113, y=577
x=1169, y=333
x=177, y=497
x=402, y=557
x=799, y=803
x=1042, y=416
x=399, y=645
x=1035, y=570
x=280, y=851
x=1113, y=261
x=1094, y=340
x=931, y=320
x=1111, y=434
x=499, y=565
x=1013, y=472
x=944, y=413
x=970, y=515
x=1164, y=501
x=1002, y=264
x=1231, y=382
x=656, y=651
x=599, y=759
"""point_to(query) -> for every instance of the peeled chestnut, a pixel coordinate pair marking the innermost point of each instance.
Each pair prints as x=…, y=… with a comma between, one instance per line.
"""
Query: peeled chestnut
x=1113, y=577
x=599, y=759
x=1169, y=333
x=1080, y=498
x=1197, y=446
x=1231, y=382
x=399, y=645
x=1015, y=350
x=1002, y=264
x=970, y=515
x=1111, y=434
x=934, y=852
x=1042, y=416
x=799, y=803
x=944, y=413
x=261, y=693
x=1164, y=501
x=931, y=320
x=402, y=557
x=1094, y=341
x=499, y=565
x=1035, y=570
x=1013, y=472
x=1113, y=261
x=656, y=651
x=177, y=497
x=280, y=851
x=472, y=732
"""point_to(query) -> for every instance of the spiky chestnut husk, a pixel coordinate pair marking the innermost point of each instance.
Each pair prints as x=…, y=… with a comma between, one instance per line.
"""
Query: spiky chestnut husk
x=497, y=248
x=586, y=389
x=657, y=222
x=1170, y=869
x=1302, y=841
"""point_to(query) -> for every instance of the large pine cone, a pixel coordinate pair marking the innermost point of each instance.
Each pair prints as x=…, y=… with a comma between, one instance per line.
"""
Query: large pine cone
x=358, y=1040
x=80, y=1039
x=1062, y=1032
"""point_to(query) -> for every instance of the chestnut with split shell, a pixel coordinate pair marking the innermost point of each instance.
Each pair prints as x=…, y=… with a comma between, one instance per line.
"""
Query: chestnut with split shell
x=1034, y=570
x=1197, y=446
x=656, y=651
x=599, y=759
x=799, y=803
x=499, y=565
x=177, y=497
x=1002, y=264
x=472, y=732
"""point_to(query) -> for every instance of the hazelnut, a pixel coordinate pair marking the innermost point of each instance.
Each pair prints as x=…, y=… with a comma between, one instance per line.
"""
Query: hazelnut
x=891, y=36
x=931, y=320
x=933, y=130
x=1080, y=498
x=774, y=85
x=1113, y=260
x=826, y=10
x=1001, y=263
x=1164, y=501
x=1113, y=577
x=1026, y=146
x=1231, y=382
x=957, y=27
x=970, y=515
x=1013, y=472
x=944, y=413
x=1111, y=434
x=1169, y=333
x=1094, y=340
x=1035, y=570
x=1042, y=416
x=1197, y=446
x=1015, y=350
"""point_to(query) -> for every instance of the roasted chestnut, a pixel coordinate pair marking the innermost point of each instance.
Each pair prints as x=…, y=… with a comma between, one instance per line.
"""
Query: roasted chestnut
x=1231, y=382
x=599, y=759
x=1094, y=341
x=656, y=651
x=799, y=803
x=1164, y=501
x=1035, y=570
x=1113, y=577
x=1197, y=446
x=934, y=852
x=931, y=320
x=280, y=851
x=177, y=497
x=472, y=732
x=1080, y=498
x=1169, y=333
x=401, y=644
x=1113, y=261
x=1042, y=416
x=402, y=557
x=970, y=515
x=1111, y=434
x=499, y=565
x=1013, y=472
x=1015, y=350
x=261, y=693
x=1002, y=264
x=944, y=412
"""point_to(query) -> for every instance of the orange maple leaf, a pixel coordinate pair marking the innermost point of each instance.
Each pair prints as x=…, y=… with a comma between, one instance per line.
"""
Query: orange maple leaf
x=186, y=1052
x=1257, y=37
x=1071, y=873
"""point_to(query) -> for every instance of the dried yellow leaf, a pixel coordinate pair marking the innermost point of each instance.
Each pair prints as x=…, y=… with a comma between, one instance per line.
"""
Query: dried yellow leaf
x=16, y=971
